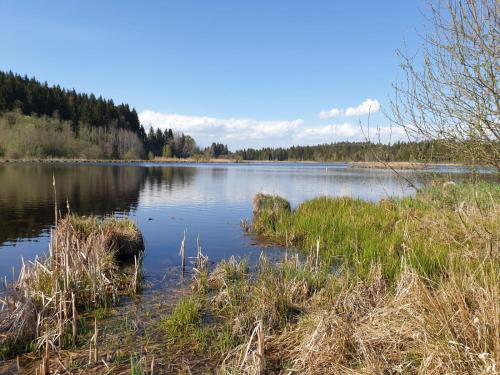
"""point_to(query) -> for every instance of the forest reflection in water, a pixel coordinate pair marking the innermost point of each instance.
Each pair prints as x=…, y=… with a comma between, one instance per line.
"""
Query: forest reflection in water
x=27, y=193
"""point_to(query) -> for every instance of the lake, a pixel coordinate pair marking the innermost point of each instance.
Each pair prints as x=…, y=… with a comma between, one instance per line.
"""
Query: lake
x=205, y=200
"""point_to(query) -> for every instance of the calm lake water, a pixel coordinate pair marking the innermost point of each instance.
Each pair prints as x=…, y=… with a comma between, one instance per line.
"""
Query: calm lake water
x=165, y=199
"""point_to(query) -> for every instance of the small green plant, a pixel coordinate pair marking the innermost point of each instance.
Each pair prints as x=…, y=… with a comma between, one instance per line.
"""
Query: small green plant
x=136, y=367
x=184, y=318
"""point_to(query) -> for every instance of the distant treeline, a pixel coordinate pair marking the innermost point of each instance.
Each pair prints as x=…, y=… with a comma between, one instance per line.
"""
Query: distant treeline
x=351, y=151
x=168, y=144
x=42, y=121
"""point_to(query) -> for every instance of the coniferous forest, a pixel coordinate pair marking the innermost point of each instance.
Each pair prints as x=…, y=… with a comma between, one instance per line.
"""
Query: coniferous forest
x=33, y=97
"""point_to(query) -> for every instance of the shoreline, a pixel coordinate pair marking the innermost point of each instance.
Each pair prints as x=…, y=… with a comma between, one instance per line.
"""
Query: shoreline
x=395, y=165
x=353, y=164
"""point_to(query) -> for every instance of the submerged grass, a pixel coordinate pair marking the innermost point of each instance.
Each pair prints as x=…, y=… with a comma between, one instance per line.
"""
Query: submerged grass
x=41, y=310
x=185, y=318
x=401, y=286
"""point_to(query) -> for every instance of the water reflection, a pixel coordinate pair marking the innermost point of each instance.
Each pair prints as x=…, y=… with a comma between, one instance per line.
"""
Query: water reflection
x=169, y=176
x=27, y=195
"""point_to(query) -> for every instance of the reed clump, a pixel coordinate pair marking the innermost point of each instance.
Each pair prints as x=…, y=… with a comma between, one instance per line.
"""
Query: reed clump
x=81, y=272
x=123, y=238
x=401, y=286
x=269, y=209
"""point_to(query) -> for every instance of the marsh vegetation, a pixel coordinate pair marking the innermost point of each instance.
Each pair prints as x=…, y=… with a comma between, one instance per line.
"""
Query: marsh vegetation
x=44, y=309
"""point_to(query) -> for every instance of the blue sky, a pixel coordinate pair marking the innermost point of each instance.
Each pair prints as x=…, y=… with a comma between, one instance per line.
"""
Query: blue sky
x=247, y=73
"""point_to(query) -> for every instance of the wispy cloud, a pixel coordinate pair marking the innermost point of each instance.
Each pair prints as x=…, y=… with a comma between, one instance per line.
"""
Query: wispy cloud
x=368, y=106
x=246, y=132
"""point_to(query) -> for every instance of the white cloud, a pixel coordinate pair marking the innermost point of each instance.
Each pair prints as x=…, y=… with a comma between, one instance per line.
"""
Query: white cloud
x=339, y=130
x=331, y=113
x=245, y=132
x=368, y=106
x=348, y=132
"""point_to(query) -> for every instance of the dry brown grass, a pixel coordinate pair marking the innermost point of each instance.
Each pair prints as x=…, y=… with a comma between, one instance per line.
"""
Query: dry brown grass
x=122, y=236
x=367, y=327
x=417, y=328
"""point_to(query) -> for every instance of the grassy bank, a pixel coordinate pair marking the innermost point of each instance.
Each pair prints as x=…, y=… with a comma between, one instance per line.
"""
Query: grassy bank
x=425, y=230
x=401, y=165
x=41, y=310
x=90, y=160
x=401, y=286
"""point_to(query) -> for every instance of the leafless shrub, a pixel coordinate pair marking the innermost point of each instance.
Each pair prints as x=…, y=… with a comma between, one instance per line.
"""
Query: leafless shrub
x=450, y=91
